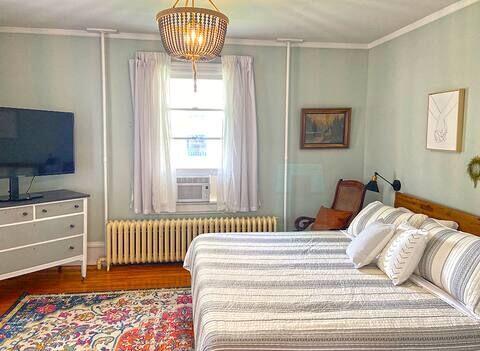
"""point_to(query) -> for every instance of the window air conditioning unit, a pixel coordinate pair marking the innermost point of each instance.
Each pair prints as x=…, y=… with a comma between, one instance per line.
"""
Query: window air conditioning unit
x=193, y=189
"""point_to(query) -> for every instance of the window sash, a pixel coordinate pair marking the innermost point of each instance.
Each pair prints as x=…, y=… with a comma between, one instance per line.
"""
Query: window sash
x=194, y=124
x=205, y=70
x=196, y=109
x=186, y=157
x=188, y=138
x=208, y=70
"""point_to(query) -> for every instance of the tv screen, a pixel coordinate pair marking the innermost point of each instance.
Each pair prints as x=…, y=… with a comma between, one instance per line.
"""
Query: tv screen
x=35, y=143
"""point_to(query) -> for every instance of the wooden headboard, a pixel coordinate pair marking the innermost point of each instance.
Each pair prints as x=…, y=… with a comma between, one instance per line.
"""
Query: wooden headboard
x=467, y=222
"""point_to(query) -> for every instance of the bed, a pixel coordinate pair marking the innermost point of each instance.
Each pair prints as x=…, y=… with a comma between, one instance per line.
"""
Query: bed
x=299, y=291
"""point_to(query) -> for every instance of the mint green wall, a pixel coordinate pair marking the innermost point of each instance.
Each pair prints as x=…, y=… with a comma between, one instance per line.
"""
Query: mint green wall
x=59, y=73
x=269, y=72
x=319, y=78
x=443, y=55
x=325, y=78
x=62, y=73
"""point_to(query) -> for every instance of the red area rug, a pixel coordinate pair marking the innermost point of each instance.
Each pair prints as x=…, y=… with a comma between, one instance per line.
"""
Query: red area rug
x=144, y=320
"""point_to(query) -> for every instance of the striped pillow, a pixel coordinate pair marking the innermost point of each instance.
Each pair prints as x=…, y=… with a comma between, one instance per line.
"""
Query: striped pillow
x=390, y=215
x=452, y=262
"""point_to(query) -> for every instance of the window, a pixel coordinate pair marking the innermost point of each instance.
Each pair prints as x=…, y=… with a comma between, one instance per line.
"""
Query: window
x=197, y=123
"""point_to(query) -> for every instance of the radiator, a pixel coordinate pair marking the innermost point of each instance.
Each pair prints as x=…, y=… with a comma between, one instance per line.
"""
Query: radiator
x=167, y=240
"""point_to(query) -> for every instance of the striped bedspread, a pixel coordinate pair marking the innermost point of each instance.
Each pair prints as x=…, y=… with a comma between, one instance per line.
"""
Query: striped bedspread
x=298, y=291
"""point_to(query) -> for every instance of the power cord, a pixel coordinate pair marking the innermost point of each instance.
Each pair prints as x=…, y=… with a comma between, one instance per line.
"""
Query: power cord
x=30, y=186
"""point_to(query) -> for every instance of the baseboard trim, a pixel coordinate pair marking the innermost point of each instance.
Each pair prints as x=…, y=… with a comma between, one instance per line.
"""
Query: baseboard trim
x=95, y=250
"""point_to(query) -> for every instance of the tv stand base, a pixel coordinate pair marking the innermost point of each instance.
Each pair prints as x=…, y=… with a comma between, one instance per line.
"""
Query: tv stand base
x=23, y=197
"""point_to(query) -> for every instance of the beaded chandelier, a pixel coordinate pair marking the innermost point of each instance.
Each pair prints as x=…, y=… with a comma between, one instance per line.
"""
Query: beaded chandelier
x=191, y=33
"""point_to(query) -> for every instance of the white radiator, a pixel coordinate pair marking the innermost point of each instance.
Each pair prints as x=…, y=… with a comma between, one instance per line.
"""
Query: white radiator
x=167, y=240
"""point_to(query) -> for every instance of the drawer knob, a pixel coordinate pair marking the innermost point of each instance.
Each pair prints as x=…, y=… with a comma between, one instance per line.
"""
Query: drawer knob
x=72, y=247
x=72, y=226
x=76, y=206
x=44, y=210
x=24, y=214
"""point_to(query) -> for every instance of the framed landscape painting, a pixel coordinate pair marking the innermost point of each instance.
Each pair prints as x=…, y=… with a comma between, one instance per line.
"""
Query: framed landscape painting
x=445, y=120
x=325, y=128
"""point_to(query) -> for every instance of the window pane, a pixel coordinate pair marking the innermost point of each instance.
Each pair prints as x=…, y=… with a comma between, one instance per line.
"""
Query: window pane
x=196, y=153
x=187, y=124
x=209, y=93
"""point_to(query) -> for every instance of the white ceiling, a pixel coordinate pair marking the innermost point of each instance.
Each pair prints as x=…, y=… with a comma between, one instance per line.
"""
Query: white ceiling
x=341, y=21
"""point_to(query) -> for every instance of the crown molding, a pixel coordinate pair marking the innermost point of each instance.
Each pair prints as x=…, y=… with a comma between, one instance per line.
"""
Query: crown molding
x=423, y=22
x=319, y=45
x=48, y=31
x=156, y=37
x=307, y=44
x=135, y=36
x=255, y=42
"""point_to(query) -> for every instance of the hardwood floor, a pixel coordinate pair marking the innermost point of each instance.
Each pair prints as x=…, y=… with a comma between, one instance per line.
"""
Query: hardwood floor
x=68, y=280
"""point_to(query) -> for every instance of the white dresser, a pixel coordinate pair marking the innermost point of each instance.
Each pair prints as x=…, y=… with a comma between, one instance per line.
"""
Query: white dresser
x=43, y=233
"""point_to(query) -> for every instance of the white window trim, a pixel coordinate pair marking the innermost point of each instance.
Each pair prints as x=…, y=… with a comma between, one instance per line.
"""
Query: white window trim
x=196, y=172
x=183, y=208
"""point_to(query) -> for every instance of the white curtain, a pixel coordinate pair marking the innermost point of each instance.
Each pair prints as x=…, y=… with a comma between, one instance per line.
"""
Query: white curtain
x=154, y=189
x=238, y=178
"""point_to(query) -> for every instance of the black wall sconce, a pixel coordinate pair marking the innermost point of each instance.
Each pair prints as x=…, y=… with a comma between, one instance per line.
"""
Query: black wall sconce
x=373, y=185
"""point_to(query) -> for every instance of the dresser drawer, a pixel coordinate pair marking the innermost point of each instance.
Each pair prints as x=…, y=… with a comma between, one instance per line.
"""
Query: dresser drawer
x=17, y=214
x=58, y=209
x=31, y=233
x=28, y=257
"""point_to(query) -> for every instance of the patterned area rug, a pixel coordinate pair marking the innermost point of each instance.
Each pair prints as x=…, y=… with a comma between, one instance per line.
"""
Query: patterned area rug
x=144, y=320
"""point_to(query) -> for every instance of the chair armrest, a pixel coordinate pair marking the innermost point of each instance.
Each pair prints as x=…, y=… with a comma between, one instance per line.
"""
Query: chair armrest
x=302, y=223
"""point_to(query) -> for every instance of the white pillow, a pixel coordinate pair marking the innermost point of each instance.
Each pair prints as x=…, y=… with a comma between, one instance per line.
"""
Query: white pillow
x=400, y=257
x=420, y=219
x=366, y=246
x=449, y=224
x=417, y=219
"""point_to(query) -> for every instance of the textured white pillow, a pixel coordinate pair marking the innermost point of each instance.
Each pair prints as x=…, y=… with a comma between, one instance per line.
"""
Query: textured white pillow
x=449, y=224
x=421, y=218
x=400, y=257
x=417, y=219
x=366, y=246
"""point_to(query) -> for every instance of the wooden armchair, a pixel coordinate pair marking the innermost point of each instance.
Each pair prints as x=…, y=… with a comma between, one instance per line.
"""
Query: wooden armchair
x=349, y=197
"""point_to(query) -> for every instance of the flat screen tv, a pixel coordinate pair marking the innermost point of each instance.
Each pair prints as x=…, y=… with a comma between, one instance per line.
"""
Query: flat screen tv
x=34, y=143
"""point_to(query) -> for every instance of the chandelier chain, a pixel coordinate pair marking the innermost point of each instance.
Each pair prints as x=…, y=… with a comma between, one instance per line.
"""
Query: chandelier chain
x=193, y=4
x=215, y=7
